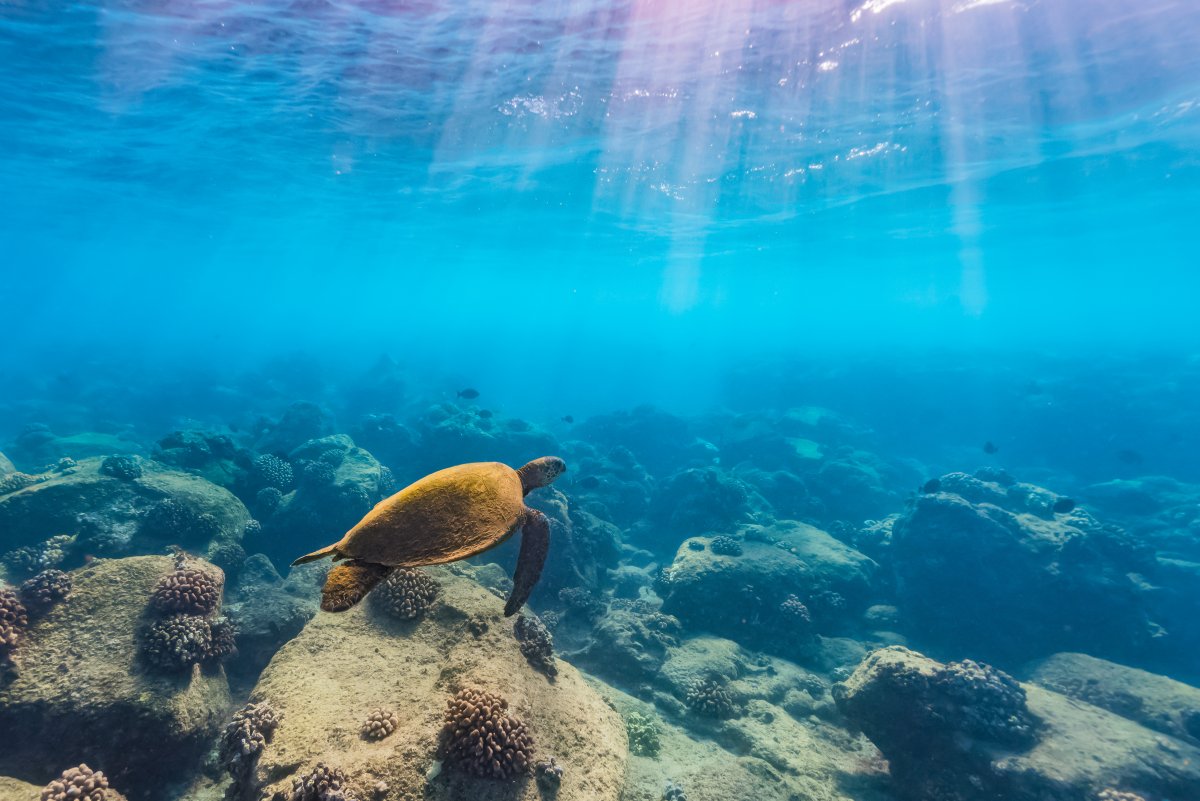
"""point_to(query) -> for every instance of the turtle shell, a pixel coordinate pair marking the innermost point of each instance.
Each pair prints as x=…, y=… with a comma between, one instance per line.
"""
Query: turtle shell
x=446, y=516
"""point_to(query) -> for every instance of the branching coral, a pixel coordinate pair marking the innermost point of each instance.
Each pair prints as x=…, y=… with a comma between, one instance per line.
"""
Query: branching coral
x=252, y=728
x=794, y=610
x=725, y=546
x=710, y=698
x=379, y=724
x=174, y=521
x=271, y=471
x=549, y=773
x=188, y=589
x=268, y=500
x=322, y=783
x=177, y=642
x=673, y=792
x=536, y=643
x=482, y=739
x=125, y=468
x=32, y=559
x=988, y=702
x=643, y=734
x=406, y=594
x=77, y=784
x=13, y=620
x=17, y=481
x=46, y=589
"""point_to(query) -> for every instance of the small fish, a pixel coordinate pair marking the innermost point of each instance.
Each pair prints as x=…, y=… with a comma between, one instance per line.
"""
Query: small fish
x=1063, y=505
x=485, y=413
x=468, y=393
x=931, y=486
x=1128, y=456
x=568, y=419
x=588, y=482
x=989, y=447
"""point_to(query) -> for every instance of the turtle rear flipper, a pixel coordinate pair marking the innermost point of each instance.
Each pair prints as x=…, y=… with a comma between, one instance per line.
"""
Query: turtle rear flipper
x=349, y=583
x=535, y=544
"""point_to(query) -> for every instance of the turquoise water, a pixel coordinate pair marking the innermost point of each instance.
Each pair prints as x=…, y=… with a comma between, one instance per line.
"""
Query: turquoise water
x=841, y=247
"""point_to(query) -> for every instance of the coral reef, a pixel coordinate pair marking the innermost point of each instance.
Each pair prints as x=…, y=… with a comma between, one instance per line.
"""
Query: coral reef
x=406, y=594
x=14, y=482
x=125, y=468
x=673, y=792
x=379, y=724
x=14, y=619
x=322, y=783
x=549, y=774
x=643, y=733
x=252, y=728
x=271, y=471
x=45, y=589
x=80, y=783
x=31, y=559
x=725, y=546
x=189, y=590
x=537, y=644
x=174, y=521
x=710, y=698
x=482, y=739
x=177, y=642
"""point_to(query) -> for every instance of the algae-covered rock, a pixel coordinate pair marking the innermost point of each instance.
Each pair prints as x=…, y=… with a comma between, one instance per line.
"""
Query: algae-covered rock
x=113, y=515
x=1154, y=701
x=78, y=693
x=17, y=790
x=965, y=732
x=328, y=680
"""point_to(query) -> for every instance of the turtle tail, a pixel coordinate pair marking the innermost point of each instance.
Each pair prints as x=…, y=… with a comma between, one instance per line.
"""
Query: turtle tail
x=330, y=550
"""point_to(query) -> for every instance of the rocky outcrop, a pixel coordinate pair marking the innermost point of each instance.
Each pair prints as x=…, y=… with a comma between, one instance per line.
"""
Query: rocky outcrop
x=115, y=516
x=327, y=681
x=78, y=692
x=967, y=732
x=745, y=596
x=1155, y=702
x=990, y=567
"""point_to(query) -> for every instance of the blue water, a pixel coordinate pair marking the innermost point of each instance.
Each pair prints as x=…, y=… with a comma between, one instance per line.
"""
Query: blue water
x=952, y=222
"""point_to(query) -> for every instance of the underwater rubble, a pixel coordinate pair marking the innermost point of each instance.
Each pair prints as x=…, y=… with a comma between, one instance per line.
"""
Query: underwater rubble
x=733, y=606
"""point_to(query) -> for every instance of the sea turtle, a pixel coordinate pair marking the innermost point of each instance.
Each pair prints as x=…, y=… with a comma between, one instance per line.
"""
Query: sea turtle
x=446, y=516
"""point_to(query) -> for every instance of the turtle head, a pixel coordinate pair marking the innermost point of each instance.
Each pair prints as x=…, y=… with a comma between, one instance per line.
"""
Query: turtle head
x=541, y=472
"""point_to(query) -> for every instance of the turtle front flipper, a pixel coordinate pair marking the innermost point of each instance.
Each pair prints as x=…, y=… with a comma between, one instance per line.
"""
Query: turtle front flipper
x=349, y=582
x=535, y=544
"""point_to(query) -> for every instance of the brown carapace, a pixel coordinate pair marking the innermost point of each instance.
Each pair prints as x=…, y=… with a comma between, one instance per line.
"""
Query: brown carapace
x=446, y=516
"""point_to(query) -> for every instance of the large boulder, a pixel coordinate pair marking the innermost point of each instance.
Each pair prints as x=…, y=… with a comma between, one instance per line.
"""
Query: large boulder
x=327, y=681
x=115, y=513
x=1154, y=701
x=77, y=691
x=747, y=588
x=990, y=566
x=967, y=732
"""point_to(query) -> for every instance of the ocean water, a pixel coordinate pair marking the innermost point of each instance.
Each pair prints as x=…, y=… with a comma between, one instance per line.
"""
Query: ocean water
x=858, y=325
